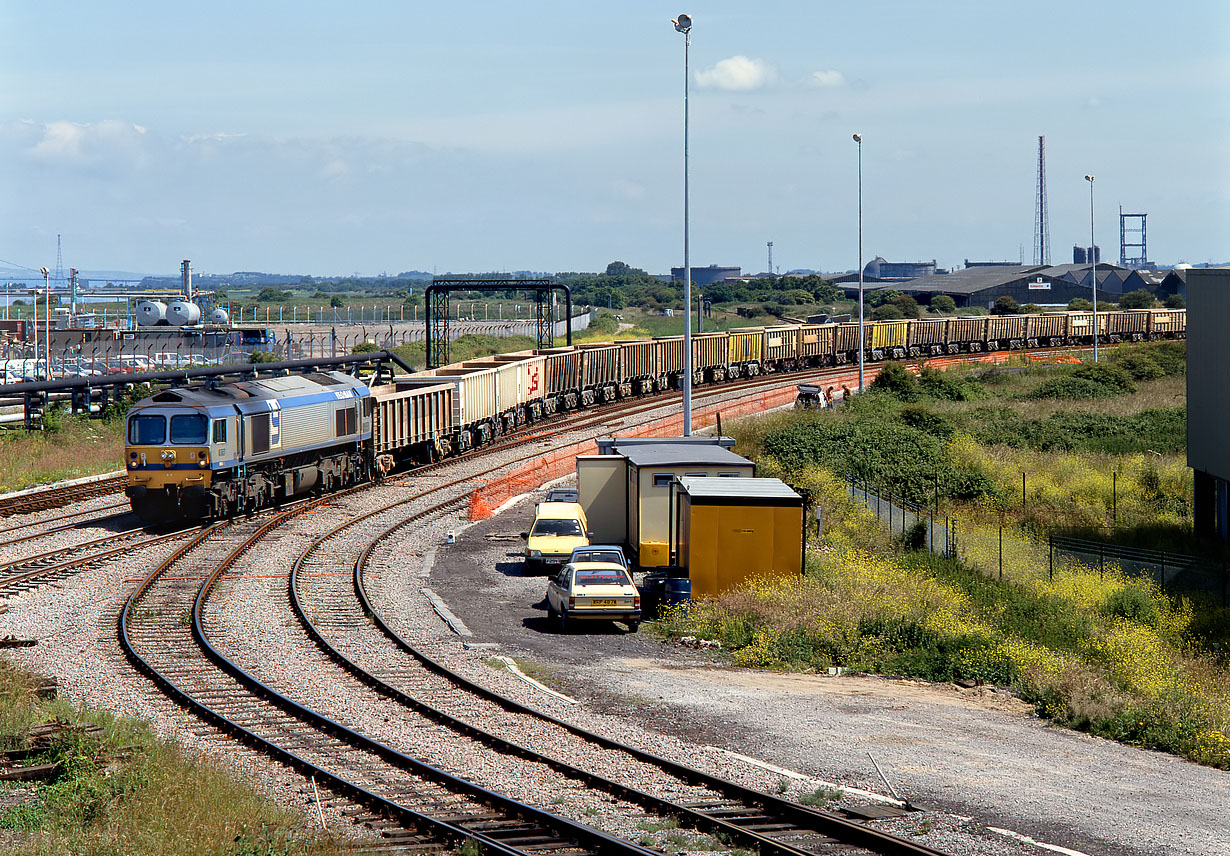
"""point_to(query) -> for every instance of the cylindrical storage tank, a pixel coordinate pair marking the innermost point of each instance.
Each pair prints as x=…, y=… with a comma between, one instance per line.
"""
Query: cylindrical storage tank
x=150, y=313
x=219, y=316
x=181, y=313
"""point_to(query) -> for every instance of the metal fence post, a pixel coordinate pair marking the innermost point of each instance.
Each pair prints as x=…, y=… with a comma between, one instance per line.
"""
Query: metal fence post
x=1163, y=580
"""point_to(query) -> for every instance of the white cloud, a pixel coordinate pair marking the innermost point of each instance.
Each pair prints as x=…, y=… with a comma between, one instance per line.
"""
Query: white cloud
x=737, y=74
x=829, y=79
x=335, y=169
x=110, y=143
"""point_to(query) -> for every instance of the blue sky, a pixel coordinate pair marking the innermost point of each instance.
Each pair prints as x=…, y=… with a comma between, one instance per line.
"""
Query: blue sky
x=331, y=138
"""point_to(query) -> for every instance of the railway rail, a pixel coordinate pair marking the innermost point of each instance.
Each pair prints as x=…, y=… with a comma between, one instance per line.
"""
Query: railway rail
x=732, y=812
x=56, y=497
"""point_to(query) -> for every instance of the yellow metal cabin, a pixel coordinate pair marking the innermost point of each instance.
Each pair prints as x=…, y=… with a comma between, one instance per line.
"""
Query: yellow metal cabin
x=729, y=530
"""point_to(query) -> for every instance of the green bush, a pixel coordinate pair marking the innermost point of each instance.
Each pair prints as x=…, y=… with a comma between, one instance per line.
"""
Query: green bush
x=920, y=418
x=947, y=386
x=1138, y=299
x=1175, y=301
x=1139, y=366
x=943, y=303
x=887, y=312
x=894, y=380
x=1133, y=604
x=903, y=459
x=1006, y=306
x=1112, y=377
x=1079, y=304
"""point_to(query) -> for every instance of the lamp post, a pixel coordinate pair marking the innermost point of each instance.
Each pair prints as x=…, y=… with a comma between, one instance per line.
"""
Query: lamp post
x=858, y=138
x=1093, y=269
x=683, y=24
x=47, y=311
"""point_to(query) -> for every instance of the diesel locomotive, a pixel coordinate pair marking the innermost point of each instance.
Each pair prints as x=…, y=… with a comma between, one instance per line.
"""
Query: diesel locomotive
x=203, y=452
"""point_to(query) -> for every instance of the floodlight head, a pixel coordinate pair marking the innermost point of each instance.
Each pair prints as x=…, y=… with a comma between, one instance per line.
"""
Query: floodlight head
x=45, y=271
x=683, y=23
x=858, y=138
x=1089, y=178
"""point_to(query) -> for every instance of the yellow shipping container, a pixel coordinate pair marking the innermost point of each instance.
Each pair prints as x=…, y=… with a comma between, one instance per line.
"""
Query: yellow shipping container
x=730, y=530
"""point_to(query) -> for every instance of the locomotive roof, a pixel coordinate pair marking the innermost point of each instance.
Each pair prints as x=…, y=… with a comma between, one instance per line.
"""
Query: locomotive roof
x=258, y=390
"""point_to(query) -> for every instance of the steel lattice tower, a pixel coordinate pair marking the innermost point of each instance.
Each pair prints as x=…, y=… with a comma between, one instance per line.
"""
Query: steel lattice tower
x=1042, y=218
x=59, y=279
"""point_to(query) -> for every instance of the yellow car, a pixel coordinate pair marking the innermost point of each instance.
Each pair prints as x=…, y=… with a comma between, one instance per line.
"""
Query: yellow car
x=558, y=528
x=593, y=591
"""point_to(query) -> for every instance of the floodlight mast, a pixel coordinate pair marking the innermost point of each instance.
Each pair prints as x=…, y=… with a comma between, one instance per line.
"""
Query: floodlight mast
x=683, y=24
x=858, y=138
x=1093, y=269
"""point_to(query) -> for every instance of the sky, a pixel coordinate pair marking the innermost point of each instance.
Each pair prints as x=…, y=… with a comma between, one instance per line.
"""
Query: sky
x=368, y=137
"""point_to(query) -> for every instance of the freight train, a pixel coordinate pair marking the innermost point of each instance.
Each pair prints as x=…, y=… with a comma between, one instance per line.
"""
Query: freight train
x=204, y=452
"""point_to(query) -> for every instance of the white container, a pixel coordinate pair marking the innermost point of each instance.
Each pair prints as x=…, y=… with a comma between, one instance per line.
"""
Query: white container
x=181, y=313
x=151, y=313
x=219, y=316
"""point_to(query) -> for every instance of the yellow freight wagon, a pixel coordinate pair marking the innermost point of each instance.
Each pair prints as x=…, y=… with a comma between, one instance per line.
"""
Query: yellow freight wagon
x=730, y=530
x=746, y=346
x=889, y=334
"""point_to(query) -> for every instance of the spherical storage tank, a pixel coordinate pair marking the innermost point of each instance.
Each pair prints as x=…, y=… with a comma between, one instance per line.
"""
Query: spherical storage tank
x=151, y=313
x=219, y=316
x=181, y=313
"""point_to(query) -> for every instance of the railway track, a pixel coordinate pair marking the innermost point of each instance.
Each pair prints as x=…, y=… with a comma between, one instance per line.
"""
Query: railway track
x=328, y=582
x=56, y=497
x=415, y=803
x=38, y=569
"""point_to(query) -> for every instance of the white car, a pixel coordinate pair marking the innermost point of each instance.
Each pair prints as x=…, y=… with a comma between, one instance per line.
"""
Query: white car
x=593, y=591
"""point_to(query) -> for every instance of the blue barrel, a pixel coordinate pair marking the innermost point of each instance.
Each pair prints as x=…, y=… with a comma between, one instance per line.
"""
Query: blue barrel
x=678, y=593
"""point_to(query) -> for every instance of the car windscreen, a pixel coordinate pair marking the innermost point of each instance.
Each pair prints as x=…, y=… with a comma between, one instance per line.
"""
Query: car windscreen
x=598, y=556
x=557, y=527
x=147, y=430
x=189, y=428
x=601, y=577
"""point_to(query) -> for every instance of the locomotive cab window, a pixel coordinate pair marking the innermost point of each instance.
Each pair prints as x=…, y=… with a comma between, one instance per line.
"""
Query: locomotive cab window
x=147, y=430
x=219, y=430
x=347, y=421
x=189, y=428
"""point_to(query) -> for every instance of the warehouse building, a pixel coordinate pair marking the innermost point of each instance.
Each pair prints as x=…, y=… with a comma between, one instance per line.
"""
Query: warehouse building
x=1208, y=399
x=1045, y=285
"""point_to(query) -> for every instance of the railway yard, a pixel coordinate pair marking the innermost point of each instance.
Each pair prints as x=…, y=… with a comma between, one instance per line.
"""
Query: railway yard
x=645, y=746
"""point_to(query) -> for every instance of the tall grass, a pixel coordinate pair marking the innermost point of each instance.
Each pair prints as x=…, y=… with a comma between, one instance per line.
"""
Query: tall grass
x=79, y=447
x=126, y=791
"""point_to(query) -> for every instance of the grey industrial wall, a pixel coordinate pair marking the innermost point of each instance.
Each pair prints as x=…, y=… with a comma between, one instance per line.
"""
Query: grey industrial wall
x=1208, y=395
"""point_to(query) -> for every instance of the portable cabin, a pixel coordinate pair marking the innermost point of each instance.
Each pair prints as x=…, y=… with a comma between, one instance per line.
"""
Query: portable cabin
x=625, y=490
x=728, y=530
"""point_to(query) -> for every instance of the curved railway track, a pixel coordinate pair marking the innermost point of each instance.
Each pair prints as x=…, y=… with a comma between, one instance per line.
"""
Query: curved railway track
x=427, y=802
x=328, y=581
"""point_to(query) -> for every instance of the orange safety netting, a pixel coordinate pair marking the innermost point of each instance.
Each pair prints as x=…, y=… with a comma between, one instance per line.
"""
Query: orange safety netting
x=562, y=461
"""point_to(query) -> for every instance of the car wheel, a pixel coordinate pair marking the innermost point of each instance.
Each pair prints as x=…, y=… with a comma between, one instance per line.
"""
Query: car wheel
x=633, y=626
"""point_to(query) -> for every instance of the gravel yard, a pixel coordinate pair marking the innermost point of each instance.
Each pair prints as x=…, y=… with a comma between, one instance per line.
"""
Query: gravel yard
x=977, y=756
x=974, y=753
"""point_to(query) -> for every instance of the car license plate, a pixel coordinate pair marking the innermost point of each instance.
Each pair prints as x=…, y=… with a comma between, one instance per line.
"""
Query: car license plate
x=554, y=561
x=602, y=602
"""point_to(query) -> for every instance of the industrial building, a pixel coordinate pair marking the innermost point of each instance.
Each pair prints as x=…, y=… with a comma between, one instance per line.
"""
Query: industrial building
x=707, y=275
x=1049, y=285
x=886, y=271
x=1208, y=399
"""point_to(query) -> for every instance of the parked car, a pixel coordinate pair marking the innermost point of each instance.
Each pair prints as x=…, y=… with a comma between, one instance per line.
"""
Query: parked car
x=593, y=591
x=599, y=553
x=558, y=528
x=561, y=494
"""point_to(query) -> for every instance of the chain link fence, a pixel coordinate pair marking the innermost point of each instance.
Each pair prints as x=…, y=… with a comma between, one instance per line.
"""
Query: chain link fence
x=1000, y=553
